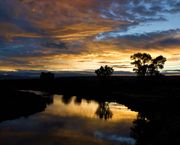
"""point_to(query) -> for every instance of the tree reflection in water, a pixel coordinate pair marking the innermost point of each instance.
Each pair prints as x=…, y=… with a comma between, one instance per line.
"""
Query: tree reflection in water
x=139, y=129
x=161, y=128
x=66, y=99
x=103, y=111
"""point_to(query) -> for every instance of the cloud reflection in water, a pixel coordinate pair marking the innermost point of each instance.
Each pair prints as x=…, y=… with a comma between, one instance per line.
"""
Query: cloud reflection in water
x=70, y=123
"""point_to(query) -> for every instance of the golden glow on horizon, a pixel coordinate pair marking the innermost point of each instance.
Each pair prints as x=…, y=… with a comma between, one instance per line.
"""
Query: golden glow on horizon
x=89, y=60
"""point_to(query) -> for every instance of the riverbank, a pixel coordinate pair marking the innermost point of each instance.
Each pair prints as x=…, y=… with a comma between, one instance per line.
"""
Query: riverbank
x=165, y=86
x=156, y=99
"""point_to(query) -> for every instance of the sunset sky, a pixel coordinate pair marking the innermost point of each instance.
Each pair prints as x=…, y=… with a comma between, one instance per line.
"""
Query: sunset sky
x=81, y=35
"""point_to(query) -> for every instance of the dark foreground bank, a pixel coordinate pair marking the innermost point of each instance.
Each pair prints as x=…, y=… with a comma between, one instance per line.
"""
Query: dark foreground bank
x=156, y=99
x=165, y=86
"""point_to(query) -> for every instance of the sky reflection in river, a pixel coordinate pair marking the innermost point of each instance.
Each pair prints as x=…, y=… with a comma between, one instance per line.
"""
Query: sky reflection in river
x=72, y=123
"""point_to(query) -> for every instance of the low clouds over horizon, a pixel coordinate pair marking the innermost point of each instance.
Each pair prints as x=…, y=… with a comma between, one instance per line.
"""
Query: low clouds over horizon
x=80, y=35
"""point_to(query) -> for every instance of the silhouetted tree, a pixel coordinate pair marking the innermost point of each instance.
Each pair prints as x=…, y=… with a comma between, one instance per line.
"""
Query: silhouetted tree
x=103, y=111
x=47, y=76
x=104, y=71
x=141, y=62
x=146, y=65
x=157, y=63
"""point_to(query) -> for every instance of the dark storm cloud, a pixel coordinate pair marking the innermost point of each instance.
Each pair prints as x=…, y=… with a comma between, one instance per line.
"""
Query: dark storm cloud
x=156, y=40
x=55, y=44
x=4, y=15
x=121, y=66
x=169, y=42
x=109, y=62
x=118, y=64
x=21, y=63
x=31, y=47
x=14, y=13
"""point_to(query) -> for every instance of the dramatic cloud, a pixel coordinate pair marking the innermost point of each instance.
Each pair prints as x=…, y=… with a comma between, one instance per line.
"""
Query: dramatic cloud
x=84, y=34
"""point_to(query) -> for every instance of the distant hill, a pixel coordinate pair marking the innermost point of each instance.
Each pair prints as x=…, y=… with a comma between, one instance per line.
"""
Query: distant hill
x=36, y=74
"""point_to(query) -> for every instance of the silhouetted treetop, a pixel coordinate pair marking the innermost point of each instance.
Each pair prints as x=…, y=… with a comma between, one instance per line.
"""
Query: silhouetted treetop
x=146, y=65
x=104, y=71
x=159, y=61
x=141, y=58
x=46, y=76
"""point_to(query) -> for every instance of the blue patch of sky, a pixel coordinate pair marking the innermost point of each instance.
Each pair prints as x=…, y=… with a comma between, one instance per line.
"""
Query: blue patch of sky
x=162, y=19
x=172, y=22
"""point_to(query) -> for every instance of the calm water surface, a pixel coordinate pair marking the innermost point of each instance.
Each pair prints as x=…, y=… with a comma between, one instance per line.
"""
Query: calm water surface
x=72, y=123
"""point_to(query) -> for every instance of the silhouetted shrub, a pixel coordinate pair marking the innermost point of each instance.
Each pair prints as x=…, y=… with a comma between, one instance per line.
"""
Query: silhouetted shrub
x=47, y=76
x=104, y=71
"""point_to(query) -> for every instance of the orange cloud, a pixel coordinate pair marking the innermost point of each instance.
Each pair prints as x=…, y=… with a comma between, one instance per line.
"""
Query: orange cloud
x=77, y=23
x=84, y=61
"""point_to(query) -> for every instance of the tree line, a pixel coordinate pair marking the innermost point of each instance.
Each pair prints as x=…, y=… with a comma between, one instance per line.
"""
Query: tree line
x=144, y=65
